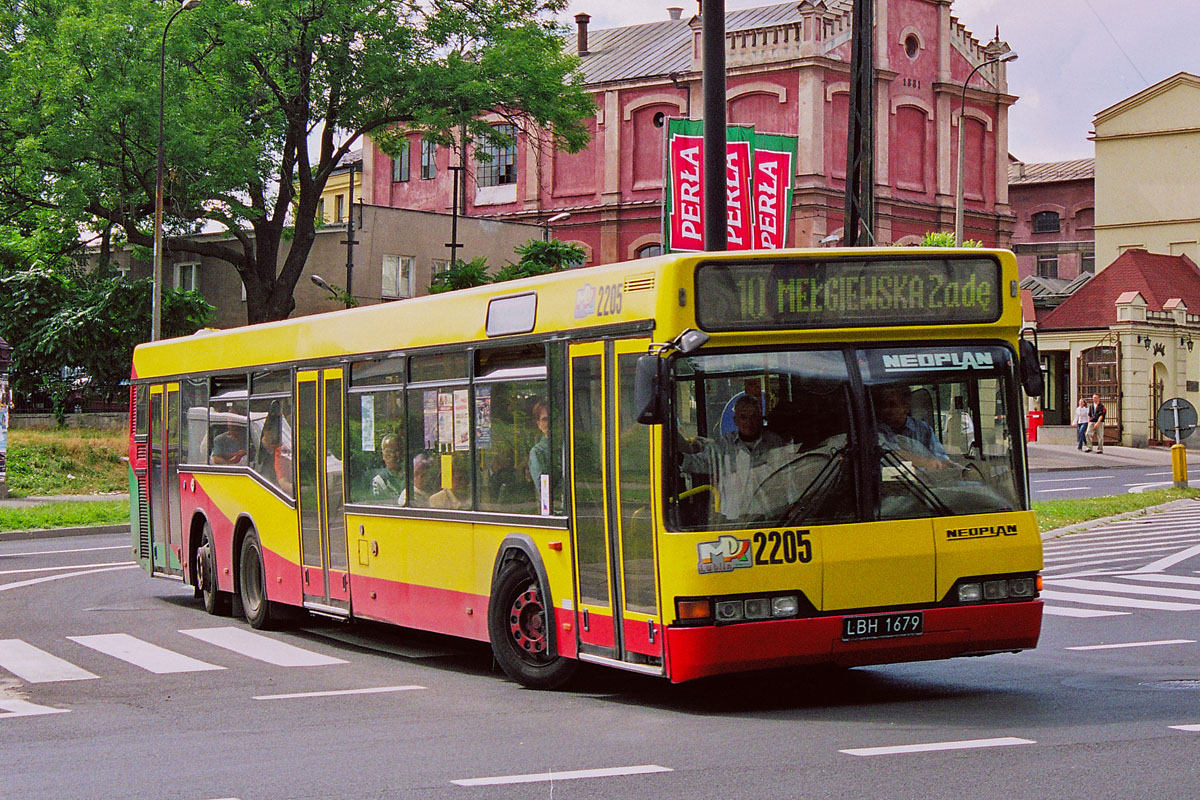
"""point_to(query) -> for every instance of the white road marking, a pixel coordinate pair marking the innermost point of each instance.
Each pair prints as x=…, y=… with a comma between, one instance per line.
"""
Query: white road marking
x=1160, y=578
x=72, y=550
x=1189, y=728
x=1068, y=480
x=968, y=744
x=375, y=690
x=1164, y=564
x=1075, y=564
x=69, y=566
x=1132, y=644
x=1110, y=586
x=1060, y=611
x=32, y=581
x=23, y=708
x=539, y=777
x=1120, y=602
x=1064, y=489
x=1139, y=548
x=37, y=666
x=262, y=648
x=151, y=657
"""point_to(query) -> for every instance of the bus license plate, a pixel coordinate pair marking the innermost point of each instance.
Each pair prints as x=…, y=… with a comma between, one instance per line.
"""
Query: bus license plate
x=878, y=626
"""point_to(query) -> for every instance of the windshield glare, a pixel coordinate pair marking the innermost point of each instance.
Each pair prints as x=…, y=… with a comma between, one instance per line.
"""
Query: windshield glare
x=768, y=439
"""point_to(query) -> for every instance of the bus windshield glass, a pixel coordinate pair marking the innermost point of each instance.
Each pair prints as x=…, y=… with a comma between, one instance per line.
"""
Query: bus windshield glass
x=774, y=439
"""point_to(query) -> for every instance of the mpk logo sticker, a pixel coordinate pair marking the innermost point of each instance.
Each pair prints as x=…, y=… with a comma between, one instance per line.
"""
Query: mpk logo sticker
x=724, y=555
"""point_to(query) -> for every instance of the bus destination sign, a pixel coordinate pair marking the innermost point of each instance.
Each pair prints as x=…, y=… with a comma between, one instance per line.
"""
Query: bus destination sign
x=806, y=293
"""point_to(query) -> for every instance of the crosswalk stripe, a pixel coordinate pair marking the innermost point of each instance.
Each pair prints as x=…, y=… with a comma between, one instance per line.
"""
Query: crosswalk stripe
x=151, y=657
x=37, y=666
x=13, y=707
x=1160, y=578
x=1066, y=611
x=1188, y=728
x=1170, y=561
x=1061, y=555
x=1139, y=540
x=1119, y=602
x=262, y=648
x=1076, y=564
x=1111, y=586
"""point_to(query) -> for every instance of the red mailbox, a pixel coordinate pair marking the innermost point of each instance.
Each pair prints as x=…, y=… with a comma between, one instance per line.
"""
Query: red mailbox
x=1034, y=421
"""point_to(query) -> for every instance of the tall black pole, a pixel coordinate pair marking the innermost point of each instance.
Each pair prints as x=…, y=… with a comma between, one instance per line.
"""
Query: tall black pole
x=350, y=242
x=716, y=213
x=860, y=148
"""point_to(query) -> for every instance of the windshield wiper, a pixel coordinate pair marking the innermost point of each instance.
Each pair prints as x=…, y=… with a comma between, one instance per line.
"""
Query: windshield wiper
x=813, y=495
x=909, y=475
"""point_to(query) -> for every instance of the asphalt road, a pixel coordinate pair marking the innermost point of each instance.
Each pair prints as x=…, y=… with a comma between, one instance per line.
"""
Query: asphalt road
x=111, y=686
x=1070, y=484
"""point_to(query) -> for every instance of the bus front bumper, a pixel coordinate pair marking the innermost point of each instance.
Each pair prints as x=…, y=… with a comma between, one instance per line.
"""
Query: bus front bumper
x=948, y=632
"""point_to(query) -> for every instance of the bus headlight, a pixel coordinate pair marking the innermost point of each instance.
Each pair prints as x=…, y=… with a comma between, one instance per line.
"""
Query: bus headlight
x=787, y=606
x=758, y=608
x=729, y=610
x=970, y=592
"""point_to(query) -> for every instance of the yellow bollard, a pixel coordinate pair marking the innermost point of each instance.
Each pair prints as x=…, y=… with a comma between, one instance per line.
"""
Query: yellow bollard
x=1179, y=466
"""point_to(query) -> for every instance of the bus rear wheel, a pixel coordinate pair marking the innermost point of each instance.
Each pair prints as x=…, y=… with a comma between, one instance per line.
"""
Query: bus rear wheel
x=518, y=626
x=252, y=585
x=215, y=601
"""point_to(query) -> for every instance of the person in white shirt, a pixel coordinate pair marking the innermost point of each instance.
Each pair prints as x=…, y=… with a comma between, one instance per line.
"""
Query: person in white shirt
x=1081, y=421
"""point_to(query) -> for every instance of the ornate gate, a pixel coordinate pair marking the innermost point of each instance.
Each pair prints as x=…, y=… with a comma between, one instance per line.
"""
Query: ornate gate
x=1100, y=373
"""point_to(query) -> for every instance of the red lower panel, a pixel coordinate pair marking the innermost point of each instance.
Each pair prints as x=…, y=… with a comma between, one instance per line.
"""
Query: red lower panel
x=637, y=637
x=599, y=631
x=949, y=632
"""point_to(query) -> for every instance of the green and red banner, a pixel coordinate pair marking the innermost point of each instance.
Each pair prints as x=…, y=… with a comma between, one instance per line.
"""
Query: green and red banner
x=758, y=187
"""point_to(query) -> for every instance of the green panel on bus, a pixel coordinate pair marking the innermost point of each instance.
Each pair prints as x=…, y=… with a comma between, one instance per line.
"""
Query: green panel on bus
x=810, y=293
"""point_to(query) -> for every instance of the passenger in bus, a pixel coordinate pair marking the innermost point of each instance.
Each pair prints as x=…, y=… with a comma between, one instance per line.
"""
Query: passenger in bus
x=739, y=462
x=899, y=432
x=275, y=459
x=388, y=483
x=230, y=447
x=539, y=454
x=458, y=494
x=425, y=479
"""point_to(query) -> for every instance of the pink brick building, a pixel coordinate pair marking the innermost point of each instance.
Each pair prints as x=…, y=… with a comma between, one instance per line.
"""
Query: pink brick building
x=1054, y=209
x=788, y=72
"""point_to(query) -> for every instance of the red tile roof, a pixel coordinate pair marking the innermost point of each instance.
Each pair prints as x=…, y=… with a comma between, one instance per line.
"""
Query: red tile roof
x=1158, y=277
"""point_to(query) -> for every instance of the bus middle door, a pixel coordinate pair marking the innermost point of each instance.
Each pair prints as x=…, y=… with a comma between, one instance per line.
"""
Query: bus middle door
x=319, y=458
x=618, y=618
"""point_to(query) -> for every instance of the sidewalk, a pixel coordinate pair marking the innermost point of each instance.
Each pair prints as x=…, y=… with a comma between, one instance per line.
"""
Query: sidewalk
x=1052, y=457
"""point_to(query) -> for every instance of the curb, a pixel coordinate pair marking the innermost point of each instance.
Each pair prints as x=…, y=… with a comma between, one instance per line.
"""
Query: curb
x=55, y=533
x=1092, y=523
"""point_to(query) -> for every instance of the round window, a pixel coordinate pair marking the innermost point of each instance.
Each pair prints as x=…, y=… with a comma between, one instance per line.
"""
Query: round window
x=912, y=46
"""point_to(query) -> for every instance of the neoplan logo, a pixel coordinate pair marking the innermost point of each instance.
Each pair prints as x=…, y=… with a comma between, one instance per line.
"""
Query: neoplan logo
x=982, y=532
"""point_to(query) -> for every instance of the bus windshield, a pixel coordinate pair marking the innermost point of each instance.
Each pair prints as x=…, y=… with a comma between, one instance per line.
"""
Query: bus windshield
x=780, y=438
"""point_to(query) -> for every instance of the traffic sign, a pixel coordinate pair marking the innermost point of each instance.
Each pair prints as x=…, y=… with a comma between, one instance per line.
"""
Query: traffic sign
x=1177, y=418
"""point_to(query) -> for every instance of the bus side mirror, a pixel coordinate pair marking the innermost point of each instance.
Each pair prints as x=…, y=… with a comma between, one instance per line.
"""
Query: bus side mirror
x=649, y=387
x=1030, y=368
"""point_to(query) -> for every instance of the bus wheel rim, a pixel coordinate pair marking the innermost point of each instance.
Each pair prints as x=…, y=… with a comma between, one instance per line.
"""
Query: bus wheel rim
x=527, y=622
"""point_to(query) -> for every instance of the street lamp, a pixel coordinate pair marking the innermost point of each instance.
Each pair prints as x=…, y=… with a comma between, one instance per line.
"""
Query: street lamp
x=958, y=197
x=156, y=303
x=564, y=215
x=319, y=281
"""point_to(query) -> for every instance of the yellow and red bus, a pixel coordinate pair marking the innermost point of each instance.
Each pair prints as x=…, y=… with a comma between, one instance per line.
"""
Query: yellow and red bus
x=683, y=466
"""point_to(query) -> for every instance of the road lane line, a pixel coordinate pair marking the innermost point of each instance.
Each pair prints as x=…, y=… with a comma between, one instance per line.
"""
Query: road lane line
x=4, y=587
x=1164, y=564
x=262, y=648
x=23, y=708
x=1160, y=578
x=1189, y=728
x=1110, y=586
x=57, y=552
x=1061, y=611
x=338, y=693
x=1003, y=741
x=1064, y=489
x=37, y=666
x=68, y=566
x=1131, y=644
x=1121, y=602
x=1068, y=480
x=150, y=657
x=570, y=775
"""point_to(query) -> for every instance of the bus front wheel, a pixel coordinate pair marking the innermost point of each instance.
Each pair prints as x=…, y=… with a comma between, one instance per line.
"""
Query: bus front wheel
x=518, y=620
x=215, y=601
x=252, y=585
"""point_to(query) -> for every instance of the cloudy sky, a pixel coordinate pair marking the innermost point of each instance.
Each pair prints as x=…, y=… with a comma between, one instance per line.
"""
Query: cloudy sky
x=1076, y=57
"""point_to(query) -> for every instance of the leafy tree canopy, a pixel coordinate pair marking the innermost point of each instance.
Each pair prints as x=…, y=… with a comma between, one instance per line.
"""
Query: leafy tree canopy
x=263, y=99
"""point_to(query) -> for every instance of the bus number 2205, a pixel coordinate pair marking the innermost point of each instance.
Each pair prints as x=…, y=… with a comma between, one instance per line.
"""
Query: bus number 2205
x=782, y=547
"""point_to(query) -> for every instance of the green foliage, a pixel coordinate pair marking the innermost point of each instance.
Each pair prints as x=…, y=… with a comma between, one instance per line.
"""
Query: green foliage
x=461, y=275
x=538, y=257
x=65, y=515
x=1053, y=514
x=946, y=239
x=67, y=461
x=245, y=85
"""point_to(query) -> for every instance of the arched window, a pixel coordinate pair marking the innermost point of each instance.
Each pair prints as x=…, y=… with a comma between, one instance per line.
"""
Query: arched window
x=649, y=251
x=1046, y=222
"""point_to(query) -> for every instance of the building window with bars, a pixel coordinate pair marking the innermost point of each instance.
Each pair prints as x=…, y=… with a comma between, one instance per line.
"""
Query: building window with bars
x=428, y=159
x=1046, y=222
x=496, y=165
x=397, y=276
x=400, y=164
x=1047, y=266
x=1087, y=263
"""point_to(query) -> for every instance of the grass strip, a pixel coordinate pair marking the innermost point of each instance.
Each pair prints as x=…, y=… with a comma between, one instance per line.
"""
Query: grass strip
x=65, y=515
x=1052, y=514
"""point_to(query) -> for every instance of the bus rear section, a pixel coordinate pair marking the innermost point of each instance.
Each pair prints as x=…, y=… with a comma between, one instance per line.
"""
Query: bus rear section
x=877, y=515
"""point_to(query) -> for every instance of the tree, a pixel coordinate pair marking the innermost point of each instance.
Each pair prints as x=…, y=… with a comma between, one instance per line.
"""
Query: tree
x=265, y=99
x=945, y=239
x=460, y=275
x=538, y=257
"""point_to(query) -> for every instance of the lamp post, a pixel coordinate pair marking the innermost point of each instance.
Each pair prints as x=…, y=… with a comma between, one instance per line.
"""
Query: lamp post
x=560, y=217
x=156, y=303
x=962, y=105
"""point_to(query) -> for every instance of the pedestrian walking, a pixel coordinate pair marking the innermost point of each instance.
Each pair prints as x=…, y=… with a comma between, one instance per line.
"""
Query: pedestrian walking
x=1082, y=419
x=1095, y=428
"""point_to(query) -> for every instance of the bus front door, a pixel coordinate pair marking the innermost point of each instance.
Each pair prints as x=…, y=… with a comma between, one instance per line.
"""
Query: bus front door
x=319, y=457
x=166, y=525
x=617, y=611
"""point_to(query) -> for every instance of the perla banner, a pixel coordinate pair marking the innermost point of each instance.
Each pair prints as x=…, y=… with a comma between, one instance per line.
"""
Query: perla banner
x=758, y=187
